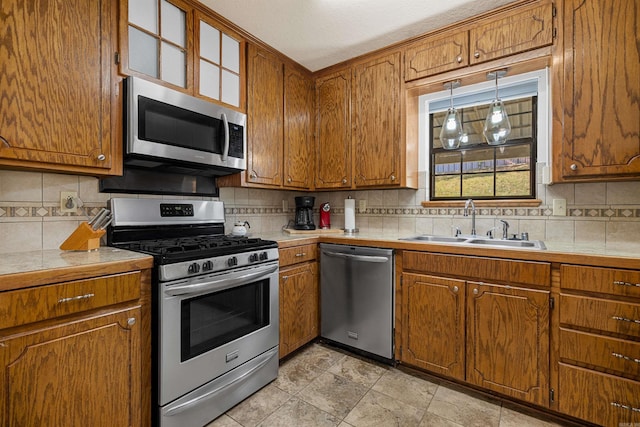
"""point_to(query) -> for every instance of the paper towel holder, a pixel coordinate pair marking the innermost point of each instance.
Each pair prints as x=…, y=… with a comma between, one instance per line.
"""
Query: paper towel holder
x=351, y=227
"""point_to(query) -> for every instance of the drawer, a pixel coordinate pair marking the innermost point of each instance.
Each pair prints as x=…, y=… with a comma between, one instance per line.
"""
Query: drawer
x=602, y=280
x=608, y=353
x=297, y=254
x=603, y=399
x=489, y=269
x=600, y=314
x=25, y=306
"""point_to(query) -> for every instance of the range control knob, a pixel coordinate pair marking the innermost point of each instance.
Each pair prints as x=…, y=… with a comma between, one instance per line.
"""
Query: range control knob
x=232, y=261
x=264, y=256
x=194, y=268
x=207, y=266
x=253, y=257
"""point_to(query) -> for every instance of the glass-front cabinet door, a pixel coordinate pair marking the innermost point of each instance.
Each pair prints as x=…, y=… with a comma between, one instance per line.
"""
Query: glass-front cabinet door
x=158, y=42
x=181, y=43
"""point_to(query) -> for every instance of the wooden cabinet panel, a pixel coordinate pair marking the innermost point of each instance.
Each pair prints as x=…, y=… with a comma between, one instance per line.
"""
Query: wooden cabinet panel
x=59, y=102
x=297, y=254
x=30, y=305
x=600, y=314
x=265, y=110
x=597, y=133
x=518, y=31
x=508, y=340
x=600, y=398
x=333, y=130
x=501, y=270
x=376, y=113
x=608, y=353
x=433, y=335
x=601, y=280
x=298, y=130
x=437, y=54
x=85, y=372
x=299, y=314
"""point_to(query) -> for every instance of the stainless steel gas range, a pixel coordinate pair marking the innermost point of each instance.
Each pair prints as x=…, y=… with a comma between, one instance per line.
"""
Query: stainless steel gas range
x=215, y=306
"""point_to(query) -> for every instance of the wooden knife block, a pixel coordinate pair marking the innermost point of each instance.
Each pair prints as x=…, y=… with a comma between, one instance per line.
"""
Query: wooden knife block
x=84, y=238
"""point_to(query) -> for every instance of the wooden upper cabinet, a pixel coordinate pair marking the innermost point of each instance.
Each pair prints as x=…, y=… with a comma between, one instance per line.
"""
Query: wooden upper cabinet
x=298, y=129
x=376, y=115
x=517, y=31
x=333, y=130
x=265, y=108
x=497, y=35
x=437, y=54
x=59, y=94
x=596, y=115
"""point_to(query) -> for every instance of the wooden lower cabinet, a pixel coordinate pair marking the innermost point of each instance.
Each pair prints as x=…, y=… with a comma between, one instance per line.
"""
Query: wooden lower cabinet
x=601, y=398
x=434, y=334
x=85, y=372
x=495, y=336
x=299, y=297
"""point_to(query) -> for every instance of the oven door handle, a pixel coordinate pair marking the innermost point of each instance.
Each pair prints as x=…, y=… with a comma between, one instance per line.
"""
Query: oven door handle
x=226, y=281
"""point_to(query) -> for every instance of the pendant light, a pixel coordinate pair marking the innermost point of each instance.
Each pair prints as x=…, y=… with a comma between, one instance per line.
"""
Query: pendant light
x=451, y=126
x=496, y=127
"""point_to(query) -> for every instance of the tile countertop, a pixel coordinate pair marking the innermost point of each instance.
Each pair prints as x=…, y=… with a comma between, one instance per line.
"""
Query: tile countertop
x=21, y=269
x=583, y=253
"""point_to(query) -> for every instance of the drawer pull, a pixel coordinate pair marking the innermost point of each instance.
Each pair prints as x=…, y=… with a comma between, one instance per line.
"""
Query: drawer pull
x=79, y=297
x=302, y=254
x=622, y=283
x=627, y=407
x=622, y=356
x=624, y=319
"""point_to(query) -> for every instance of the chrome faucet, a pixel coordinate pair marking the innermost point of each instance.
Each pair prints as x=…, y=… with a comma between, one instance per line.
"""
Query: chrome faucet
x=468, y=203
x=505, y=229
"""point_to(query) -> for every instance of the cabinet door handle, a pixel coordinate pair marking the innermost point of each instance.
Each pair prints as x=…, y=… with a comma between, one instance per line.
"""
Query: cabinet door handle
x=253, y=175
x=476, y=292
x=131, y=321
x=344, y=180
x=622, y=356
x=301, y=254
x=459, y=59
x=627, y=407
x=476, y=55
x=624, y=319
x=622, y=283
x=76, y=298
x=101, y=157
x=392, y=177
x=455, y=289
x=573, y=167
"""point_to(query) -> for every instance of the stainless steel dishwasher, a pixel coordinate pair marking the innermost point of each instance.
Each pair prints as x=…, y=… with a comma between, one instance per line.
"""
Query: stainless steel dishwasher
x=356, y=297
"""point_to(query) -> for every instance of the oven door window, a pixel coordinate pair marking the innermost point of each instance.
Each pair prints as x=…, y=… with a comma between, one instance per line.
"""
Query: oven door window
x=212, y=320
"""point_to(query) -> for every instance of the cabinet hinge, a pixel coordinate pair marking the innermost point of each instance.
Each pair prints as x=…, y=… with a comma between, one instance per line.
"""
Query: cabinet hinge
x=552, y=395
x=555, y=32
x=116, y=58
x=554, y=11
x=552, y=303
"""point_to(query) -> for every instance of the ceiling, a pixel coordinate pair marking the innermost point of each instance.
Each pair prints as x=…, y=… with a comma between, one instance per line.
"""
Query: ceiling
x=320, y=33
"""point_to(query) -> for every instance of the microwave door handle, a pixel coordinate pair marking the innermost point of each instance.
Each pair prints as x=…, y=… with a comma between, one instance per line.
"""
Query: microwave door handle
x=225, y=150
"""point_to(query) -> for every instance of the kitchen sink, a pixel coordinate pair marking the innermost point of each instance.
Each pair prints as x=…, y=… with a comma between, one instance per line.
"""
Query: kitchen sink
x=479, y=241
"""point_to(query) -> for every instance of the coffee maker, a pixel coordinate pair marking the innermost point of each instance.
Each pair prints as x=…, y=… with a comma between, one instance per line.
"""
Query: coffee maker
x=304, y=213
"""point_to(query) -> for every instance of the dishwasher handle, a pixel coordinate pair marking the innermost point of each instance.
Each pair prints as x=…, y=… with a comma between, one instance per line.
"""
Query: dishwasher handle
x=363, y=258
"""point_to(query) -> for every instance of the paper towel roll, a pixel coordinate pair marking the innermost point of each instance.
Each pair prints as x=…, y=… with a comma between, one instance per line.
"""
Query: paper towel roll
x=350, y=214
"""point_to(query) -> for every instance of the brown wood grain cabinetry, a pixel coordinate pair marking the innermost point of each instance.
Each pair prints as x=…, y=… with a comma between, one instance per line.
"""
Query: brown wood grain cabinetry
x=298, y=129
x=493, y=335
x=376, y=115
x=265, y=108
x=333, y=130
x=599, y=344
x=523, y=28
x=299, y=314
x=59, y=91
x=596, y=114
x=79, y=354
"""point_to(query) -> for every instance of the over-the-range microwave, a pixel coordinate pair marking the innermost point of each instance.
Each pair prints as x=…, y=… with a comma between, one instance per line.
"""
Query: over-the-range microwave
x=165, y=126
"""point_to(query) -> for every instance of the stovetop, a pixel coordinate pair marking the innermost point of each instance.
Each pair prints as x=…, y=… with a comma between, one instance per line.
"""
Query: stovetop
x=170, y=250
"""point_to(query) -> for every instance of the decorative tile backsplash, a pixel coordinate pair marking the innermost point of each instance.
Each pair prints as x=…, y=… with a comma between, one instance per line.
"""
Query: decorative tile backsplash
x=598, y=213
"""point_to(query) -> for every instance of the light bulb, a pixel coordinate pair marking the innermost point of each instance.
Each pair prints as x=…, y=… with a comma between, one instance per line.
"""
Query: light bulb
x=451, y=130
x=497, y=127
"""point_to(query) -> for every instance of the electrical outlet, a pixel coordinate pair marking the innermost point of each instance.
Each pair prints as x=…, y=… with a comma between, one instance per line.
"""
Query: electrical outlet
x=68, y=201
x=285, y=205
x=559, y=207
x=362, y=205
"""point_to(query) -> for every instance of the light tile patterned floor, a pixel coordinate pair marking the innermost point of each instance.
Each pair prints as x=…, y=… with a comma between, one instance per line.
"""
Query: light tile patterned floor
x=322, y=386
